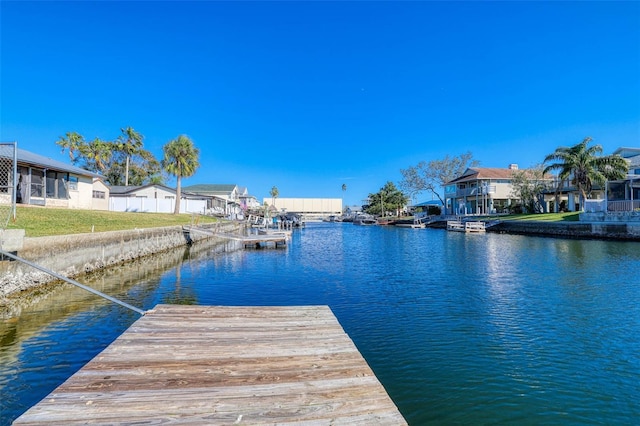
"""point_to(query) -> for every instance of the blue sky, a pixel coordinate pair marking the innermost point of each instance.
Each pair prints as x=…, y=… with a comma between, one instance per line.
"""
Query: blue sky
x=307, y=96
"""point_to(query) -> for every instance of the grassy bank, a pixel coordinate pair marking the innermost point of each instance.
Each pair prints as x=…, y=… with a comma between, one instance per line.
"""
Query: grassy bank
x=40, y=221
x=542, y=217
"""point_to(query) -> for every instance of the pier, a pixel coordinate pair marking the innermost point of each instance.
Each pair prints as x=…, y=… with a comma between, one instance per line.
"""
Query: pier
x=224, y=365
x=466, y=226
x=261, y=238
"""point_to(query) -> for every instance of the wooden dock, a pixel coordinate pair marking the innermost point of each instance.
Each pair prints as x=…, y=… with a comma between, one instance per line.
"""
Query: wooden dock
x=224, y=365
x=278, y=239
x=466, y=226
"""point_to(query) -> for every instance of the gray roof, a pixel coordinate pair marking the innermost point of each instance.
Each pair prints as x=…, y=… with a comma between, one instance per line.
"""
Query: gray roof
x=627, y=152
x=30, y=158
x=210, y=188
x=123, y=190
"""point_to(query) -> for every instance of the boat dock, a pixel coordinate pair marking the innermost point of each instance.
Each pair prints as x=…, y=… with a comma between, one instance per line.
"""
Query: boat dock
x=470, y=226
x=224, y=365
x=278, y=239
x=466, y=226
x=262, y=238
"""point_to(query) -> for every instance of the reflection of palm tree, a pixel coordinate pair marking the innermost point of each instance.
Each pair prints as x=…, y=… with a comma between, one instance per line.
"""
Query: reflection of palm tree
x=585, y=168
x=177, y=298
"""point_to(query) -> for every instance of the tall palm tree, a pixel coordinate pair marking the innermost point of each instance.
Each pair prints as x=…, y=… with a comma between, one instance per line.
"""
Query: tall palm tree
x=584, y=167
x=344, y=187
x=180, y=160
x=130, y=143
x=97, y=154
x=72, y=141
x=274, y=194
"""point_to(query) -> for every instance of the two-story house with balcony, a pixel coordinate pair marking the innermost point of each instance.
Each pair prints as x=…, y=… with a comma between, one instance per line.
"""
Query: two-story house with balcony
x=621, y=198
x=480, y=190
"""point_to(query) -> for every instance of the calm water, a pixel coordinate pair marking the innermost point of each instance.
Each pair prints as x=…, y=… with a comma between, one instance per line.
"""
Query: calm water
x=460, y=329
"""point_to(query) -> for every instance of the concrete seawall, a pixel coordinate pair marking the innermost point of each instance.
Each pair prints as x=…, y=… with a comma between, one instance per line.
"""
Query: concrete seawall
x=73, y=255
x=593, y=230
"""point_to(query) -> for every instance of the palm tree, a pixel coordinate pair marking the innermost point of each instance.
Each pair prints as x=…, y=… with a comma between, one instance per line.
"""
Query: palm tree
x=344, y=187
x=274, y=194
x=72, y=141
x=584, y=167
x=180, y=160
x=97, y=154
x=130, y=142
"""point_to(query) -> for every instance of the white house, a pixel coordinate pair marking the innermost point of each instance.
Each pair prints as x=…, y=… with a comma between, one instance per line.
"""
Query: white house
x=44, y=181
x=154, y=198
x=231, y=199
x=309, y=207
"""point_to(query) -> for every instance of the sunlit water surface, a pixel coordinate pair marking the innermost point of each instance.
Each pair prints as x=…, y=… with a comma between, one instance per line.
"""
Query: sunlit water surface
x=460, y=329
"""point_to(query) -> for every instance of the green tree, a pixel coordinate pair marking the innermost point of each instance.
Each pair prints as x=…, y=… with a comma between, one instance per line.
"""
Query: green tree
x=389, y=198
x=528, y=186
x=72, y=141
x=96, y=155
x=180, y=160
x=432, y=175
x=584, y=167
x=274, y=194
x=130, y=143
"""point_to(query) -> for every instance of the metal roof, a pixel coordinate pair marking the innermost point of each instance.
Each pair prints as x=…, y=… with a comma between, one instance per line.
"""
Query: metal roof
x=33, y=159
x=211, y=188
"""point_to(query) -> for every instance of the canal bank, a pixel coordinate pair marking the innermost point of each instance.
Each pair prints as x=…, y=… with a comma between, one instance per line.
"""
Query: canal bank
x=77, y=254
x=629, y=231
x=584, y=229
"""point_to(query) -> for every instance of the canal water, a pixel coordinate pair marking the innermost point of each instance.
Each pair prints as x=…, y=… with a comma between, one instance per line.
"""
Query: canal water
x=460, y=329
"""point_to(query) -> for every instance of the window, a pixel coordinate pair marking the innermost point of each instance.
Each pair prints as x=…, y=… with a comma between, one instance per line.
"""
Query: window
x=73, y=183
x=99, y=194
x=37, y=183
x=6, y=170
x=57, y=185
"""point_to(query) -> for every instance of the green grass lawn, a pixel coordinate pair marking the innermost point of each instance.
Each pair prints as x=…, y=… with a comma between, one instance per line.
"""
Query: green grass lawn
x=542, y=217
x=41, y=221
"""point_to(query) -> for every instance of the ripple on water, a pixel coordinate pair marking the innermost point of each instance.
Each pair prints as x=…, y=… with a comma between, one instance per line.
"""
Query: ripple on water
x=460, y=329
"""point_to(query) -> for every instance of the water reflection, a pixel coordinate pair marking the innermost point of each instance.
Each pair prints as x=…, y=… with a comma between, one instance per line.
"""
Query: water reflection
x=467, y=329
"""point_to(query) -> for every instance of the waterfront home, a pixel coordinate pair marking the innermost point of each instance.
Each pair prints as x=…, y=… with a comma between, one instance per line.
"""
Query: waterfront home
x=231, y=199
x=155, y=198
x=621, y=198
x=43, y=181
x=480, y=190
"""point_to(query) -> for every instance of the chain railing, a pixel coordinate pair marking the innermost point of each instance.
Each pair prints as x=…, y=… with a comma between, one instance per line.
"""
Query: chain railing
x=8, y=172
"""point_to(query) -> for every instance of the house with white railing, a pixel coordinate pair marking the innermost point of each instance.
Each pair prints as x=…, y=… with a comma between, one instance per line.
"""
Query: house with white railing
x=622, y=197
x=480, y=190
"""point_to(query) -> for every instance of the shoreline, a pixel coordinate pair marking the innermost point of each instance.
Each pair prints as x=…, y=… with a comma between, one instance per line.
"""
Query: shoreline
x=610, y=231
x=78, y=254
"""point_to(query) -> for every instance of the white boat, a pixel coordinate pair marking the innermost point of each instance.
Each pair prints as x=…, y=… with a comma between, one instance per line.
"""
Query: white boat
x=364, y=220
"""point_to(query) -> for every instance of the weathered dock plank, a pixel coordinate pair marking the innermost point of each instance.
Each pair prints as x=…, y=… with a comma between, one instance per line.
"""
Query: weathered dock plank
x=224, y=365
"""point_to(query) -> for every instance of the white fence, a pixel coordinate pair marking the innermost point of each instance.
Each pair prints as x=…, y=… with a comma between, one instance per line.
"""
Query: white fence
x=593, y=206
x=155, y=205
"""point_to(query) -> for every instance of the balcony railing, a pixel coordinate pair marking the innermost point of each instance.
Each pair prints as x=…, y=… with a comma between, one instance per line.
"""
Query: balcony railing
x=611, y=206
x=623, y=206
x=482, y=190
